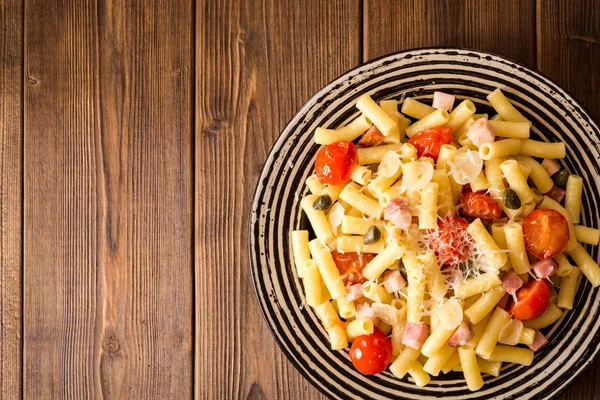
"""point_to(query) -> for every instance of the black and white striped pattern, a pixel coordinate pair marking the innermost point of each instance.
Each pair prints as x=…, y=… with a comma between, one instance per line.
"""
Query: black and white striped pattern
x=556, y=116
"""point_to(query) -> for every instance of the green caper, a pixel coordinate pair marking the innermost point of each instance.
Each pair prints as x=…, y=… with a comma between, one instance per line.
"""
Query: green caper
x=511, y=199
x=402, y=270
x=372, y=236
x=560, y=178
x=322, y=203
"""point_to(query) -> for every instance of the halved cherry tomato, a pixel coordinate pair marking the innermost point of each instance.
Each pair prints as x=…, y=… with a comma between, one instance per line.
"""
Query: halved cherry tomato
x=451, y=241
x=429, y=141
x=532, y=300
x=371, y=354
x=479, y=205
x=335, y=162
x=546, y=233
x=372, y=137
x=351, y=265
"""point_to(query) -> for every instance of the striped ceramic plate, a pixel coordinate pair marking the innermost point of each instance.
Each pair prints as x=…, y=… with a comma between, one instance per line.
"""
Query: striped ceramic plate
x=556, y=116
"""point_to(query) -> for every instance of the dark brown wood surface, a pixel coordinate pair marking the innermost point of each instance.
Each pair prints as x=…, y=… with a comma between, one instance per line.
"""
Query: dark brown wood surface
x=132, y=136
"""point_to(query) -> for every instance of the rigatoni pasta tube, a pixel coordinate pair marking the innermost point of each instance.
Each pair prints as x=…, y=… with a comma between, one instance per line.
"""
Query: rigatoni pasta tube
x=460, y=114
x=429, y=206
x=518, y=130
x=300, y=249
x=327, y=314
x=337, y=337
x=478, y=331
x=568, y=289
x=550, y=316
x=488, y=340
x=376, y=114
x=391, y=108
x=495, y=178
x=527, y=336
x=499, y=148
x=552, y=204
x=586, y=263
x=347, y=133
x=535, y=148
x=538, y=175
x=516, y=180
x=358, y=225
x=312, y=283
x=346, y=308
x=471, y=372
x=484, y=242
x=436, y=341
x=416, y=372
x=479, y=284
x=376, y=293
x=353, y=196
x=327, y=268
x=317, y=219
x=512, y=354
x=564, y=266
x=504, y=108
x=434, y=364
x=445, y=201
x=355, y=244
x=587, y=235
x=359, y=327
x=392, y=252
x=437, y=118
x=401, y=365
x=515, y=243
x=500, y=238
x=447, y=154
x=416, y=109
x=314, y=185
x=484, y=305
x=416, y=287
x=361, y=175
x=573, y=197
x=374, y=155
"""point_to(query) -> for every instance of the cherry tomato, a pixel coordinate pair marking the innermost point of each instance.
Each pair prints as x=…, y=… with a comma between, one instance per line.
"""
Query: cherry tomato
x=546, y=233
x=532, y=300
x=372, y=137
x=429, y=141
x=451, y=241
x=371, y=354
x=335, y=162
x=479, y=205
x=351, y=265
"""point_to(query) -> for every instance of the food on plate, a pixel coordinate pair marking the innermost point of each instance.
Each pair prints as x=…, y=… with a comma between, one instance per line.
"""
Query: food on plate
x=441, y=239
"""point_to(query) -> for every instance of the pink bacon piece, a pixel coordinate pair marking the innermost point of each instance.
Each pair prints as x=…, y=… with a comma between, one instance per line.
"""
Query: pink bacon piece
x=511, y=282
x=398, y=213
x=557, y=193
x=481, y=132
x=354, y=292
x=544, y=268
x=539, y=341
x=461, y=336
x=503, y=301
x=415, y=335
x=364, y=310
x=393, y=281
x=442, y=100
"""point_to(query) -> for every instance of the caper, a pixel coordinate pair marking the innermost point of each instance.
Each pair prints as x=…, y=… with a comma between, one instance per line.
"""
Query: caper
x=560, y=178
x=511, y=199
x=402, y=270
x=322, y=203
x=372, y=236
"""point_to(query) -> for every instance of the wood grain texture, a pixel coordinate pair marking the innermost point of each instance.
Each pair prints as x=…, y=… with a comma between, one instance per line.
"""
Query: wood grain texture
x=499, y=26
x=256, y=63
x=568, y=50
x=11, y=206
x=108, y=282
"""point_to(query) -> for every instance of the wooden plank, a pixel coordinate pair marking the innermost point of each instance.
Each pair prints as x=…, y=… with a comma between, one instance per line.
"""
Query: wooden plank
x=252, y=75
x=568, y=50
x=11, y=204
x=496, y=26
x=108, y=200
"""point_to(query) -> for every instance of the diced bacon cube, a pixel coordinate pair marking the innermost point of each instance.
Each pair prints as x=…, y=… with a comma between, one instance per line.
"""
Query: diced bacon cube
x=364, y=310
x=393, y=281
x=442, y=100
x=372, y=137
x=461, y=336
x=551, y=166
x=539, y=341
x=511, y=282
x=398, y=213
x=415, y=335
x=481, y=132
x=503, y=301
x=557, y=193
x=354, y=292
x=544, y=268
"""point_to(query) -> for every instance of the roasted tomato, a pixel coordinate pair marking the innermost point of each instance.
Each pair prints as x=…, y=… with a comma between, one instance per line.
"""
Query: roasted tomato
x=546, y=233
x=451, y=241
x=479, y=205
x=335, y=163
x=372, y=137
x=371, y=354
x=351, y=265
x=532, y=300
x=429, y=141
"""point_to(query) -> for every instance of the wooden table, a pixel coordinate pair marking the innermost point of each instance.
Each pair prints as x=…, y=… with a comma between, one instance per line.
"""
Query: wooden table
x=132, y=136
